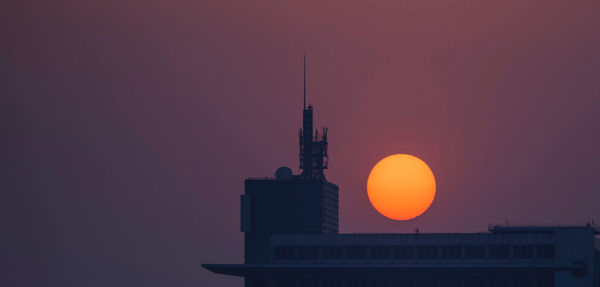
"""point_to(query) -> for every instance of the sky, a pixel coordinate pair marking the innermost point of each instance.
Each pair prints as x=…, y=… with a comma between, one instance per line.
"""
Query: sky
x=127, y=128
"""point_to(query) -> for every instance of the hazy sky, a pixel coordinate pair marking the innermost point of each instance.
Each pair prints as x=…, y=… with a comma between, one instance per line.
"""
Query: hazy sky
x=127, y=128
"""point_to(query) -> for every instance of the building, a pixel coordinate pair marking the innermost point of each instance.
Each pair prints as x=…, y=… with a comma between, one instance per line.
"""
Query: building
x=291, y=204
x=504, y=256
x=290, y=225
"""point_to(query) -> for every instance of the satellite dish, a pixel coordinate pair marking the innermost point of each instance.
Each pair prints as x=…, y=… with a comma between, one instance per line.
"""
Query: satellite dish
x=284, y=173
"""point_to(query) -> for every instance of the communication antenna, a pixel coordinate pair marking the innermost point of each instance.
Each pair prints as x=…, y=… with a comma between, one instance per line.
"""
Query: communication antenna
x=304, y=80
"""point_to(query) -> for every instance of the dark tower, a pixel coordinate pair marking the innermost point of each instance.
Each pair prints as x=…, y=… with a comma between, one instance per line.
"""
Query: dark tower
x=313, y=151
x=290, y=204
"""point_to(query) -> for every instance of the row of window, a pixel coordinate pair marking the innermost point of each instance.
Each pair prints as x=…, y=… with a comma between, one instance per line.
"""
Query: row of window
x=517, y=280
x=358, y=252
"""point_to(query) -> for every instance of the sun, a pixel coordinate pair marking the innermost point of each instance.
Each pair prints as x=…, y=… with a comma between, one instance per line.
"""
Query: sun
x=401, y=187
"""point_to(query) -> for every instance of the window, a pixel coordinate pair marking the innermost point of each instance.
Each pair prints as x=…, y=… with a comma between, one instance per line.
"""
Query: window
x=427, y=252
x=545, y=278
x=451, y=252
x=427, y=281
x=284, y=253
x=356, y=252
x=380, y=252
x=545, y=251
x=308, y=252
x=354, y=281
x=523, y=281
x=332, y=252
x=329, y=282
x=499, y=251
x=379, y=281
x=474, y=281
x=404, y=252
x=305, y=280
x=523, y=251
x=503, y=281
x=475, y=251
x=454, y=281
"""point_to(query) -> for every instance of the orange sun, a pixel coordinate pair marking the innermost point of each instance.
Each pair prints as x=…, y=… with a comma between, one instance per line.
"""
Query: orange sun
x=401, y=187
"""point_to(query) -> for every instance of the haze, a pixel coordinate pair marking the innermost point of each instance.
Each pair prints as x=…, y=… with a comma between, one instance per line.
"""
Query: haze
x=128, y=127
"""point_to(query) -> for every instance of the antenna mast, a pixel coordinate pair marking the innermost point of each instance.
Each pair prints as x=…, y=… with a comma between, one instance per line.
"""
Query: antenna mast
x=304, y=80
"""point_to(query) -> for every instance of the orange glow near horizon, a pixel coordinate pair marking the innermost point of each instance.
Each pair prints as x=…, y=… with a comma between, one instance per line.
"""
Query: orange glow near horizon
x=401, y=187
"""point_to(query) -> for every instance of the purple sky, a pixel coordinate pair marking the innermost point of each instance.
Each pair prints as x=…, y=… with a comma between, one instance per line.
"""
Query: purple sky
x=128, y=127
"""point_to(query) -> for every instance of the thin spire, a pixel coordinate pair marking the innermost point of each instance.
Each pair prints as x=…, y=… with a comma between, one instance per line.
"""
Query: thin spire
x=304, y=79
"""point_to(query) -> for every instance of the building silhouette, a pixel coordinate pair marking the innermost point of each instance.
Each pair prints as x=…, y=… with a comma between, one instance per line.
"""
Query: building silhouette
x=290, y=225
